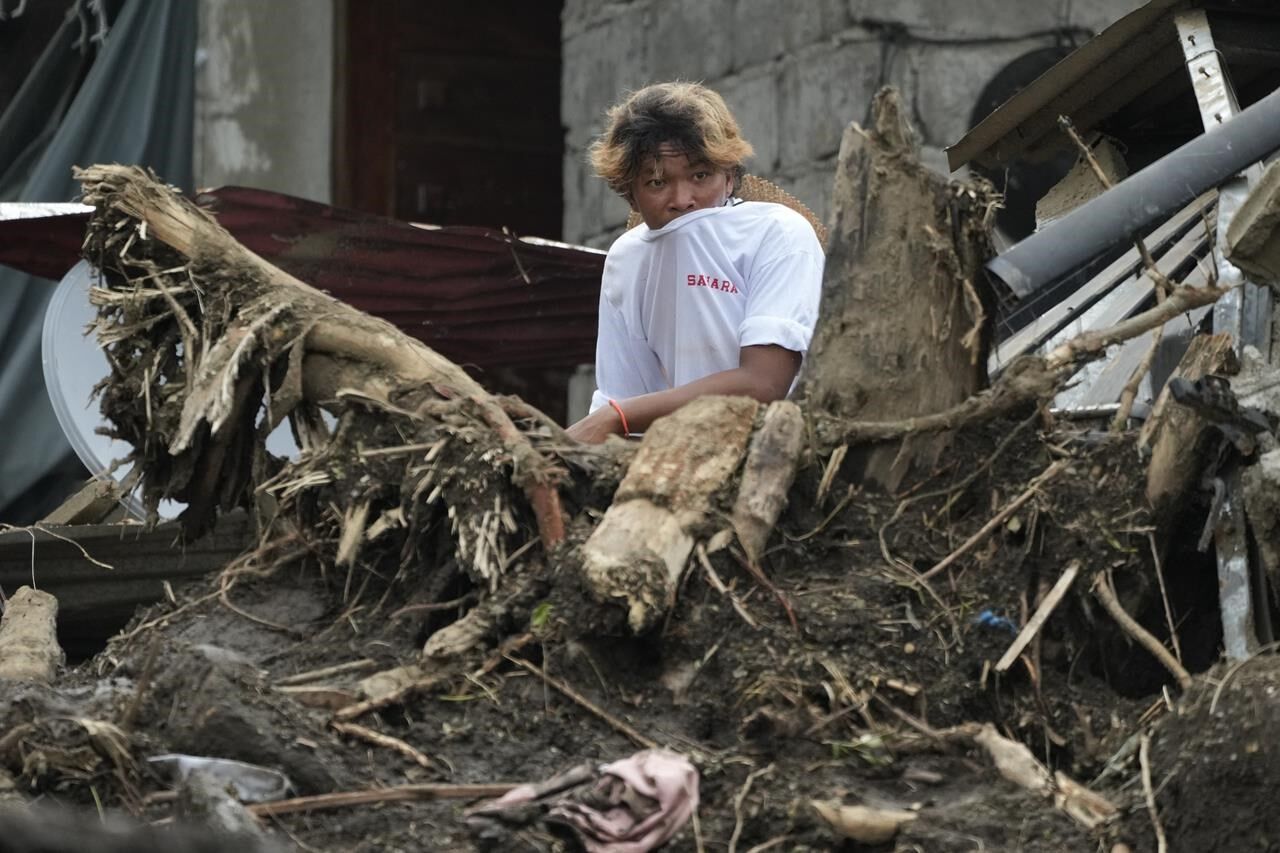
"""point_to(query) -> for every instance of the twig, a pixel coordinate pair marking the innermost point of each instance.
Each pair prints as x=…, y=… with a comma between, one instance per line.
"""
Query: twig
x=1130, y=392
x=829, y=473
x=944, y=737
x=836, y=510
x=325, y=672
x=758, y=573
x=1037, y=620
x=439, y=605
x=1107, y=598
x=30, y=531
x=1144, y=746
x=585, y=703
x=953, y=492
x=379, y=739
x=400, y=793
x=161, y=620
x=401, y=449
x=1236, y=667
x=1164, y=597
x=1013, y=506
x=718, y=585
x=738, y=802
x=224, y=588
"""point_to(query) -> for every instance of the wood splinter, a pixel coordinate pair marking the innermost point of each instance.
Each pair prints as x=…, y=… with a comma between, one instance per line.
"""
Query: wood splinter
x=1037, y=620
x=379, y=739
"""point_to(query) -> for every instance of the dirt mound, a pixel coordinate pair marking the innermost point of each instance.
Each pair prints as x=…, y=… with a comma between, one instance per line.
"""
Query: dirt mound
x=842, y=682
x=1215, y=763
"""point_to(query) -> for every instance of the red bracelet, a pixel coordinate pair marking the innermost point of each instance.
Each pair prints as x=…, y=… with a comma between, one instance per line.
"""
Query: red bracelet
x=626, y=430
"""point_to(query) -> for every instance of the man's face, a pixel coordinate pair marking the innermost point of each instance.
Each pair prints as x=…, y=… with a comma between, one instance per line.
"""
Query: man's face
x=670, y=186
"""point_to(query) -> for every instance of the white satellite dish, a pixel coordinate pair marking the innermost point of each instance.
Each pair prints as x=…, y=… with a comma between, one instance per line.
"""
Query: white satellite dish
x=74, y=363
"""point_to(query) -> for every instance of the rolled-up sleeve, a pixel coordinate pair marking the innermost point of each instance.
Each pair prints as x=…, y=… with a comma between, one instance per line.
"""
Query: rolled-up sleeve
x=782, y=301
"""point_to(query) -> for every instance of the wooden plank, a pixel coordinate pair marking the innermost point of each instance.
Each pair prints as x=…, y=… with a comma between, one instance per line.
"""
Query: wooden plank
x=96, y=500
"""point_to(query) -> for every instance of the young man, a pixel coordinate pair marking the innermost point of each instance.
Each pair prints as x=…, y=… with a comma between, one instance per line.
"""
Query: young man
x=709, y=294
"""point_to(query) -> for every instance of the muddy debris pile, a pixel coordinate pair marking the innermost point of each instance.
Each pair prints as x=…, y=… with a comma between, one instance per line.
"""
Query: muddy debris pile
x=905, y=611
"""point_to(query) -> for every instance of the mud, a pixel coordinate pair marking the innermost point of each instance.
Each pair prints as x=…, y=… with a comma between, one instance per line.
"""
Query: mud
x=821, y=700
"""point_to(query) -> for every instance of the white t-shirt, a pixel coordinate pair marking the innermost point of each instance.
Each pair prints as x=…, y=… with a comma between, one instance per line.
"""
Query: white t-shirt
x=677, y=304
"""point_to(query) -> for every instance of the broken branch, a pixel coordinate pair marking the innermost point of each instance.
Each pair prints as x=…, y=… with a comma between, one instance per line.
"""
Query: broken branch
x=1144, y=760
x=1106, y=595
x=379, y=739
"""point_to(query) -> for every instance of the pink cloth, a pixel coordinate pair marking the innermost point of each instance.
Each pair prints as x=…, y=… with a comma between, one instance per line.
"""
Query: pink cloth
x=638, y=804
x=630, y=806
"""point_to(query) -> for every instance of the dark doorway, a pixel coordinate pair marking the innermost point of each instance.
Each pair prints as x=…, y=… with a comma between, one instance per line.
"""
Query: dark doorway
x=449, y=113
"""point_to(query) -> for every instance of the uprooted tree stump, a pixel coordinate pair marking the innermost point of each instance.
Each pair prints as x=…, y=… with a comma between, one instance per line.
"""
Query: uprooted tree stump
x=211, y=348
x=905, y=321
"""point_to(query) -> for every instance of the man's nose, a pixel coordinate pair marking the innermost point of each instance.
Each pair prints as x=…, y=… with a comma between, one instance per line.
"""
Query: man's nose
x=682, y=197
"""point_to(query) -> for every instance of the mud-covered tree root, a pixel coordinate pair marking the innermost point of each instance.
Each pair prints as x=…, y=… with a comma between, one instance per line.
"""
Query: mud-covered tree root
x=211, y=348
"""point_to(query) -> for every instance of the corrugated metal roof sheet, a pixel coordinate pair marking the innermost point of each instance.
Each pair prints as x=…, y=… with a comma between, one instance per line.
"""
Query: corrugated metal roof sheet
x=480, y=297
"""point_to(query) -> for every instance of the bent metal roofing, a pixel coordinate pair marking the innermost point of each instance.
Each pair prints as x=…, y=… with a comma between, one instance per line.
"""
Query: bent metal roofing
x=480, y=297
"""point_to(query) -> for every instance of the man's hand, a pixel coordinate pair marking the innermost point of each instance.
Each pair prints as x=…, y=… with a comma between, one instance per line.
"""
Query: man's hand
x=597, y=426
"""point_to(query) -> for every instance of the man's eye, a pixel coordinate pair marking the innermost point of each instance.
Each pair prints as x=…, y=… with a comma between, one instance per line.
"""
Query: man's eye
x=657, y=183
x=701, y=176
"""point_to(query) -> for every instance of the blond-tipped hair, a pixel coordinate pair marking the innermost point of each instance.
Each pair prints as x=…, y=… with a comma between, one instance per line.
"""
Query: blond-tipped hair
x=689, y=116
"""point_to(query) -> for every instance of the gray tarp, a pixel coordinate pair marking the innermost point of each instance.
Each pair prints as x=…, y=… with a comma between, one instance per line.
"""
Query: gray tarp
x=134, y=106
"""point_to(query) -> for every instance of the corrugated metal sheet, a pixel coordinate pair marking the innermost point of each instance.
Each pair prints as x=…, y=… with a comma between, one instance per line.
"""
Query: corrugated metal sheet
x=480, y=297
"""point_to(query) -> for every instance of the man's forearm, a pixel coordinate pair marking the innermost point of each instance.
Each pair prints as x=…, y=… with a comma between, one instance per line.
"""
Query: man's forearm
x=643, y=410
x=764, y=372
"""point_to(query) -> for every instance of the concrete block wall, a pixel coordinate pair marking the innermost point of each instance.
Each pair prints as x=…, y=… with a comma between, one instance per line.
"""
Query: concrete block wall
x=795, y=74
x=264, y=95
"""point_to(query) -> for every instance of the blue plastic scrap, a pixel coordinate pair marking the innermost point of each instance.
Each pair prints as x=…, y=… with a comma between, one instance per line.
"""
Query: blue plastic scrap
x=989, y=619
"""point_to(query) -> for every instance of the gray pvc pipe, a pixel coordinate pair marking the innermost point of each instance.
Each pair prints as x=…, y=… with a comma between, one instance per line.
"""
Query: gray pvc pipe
x=1141, y=200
